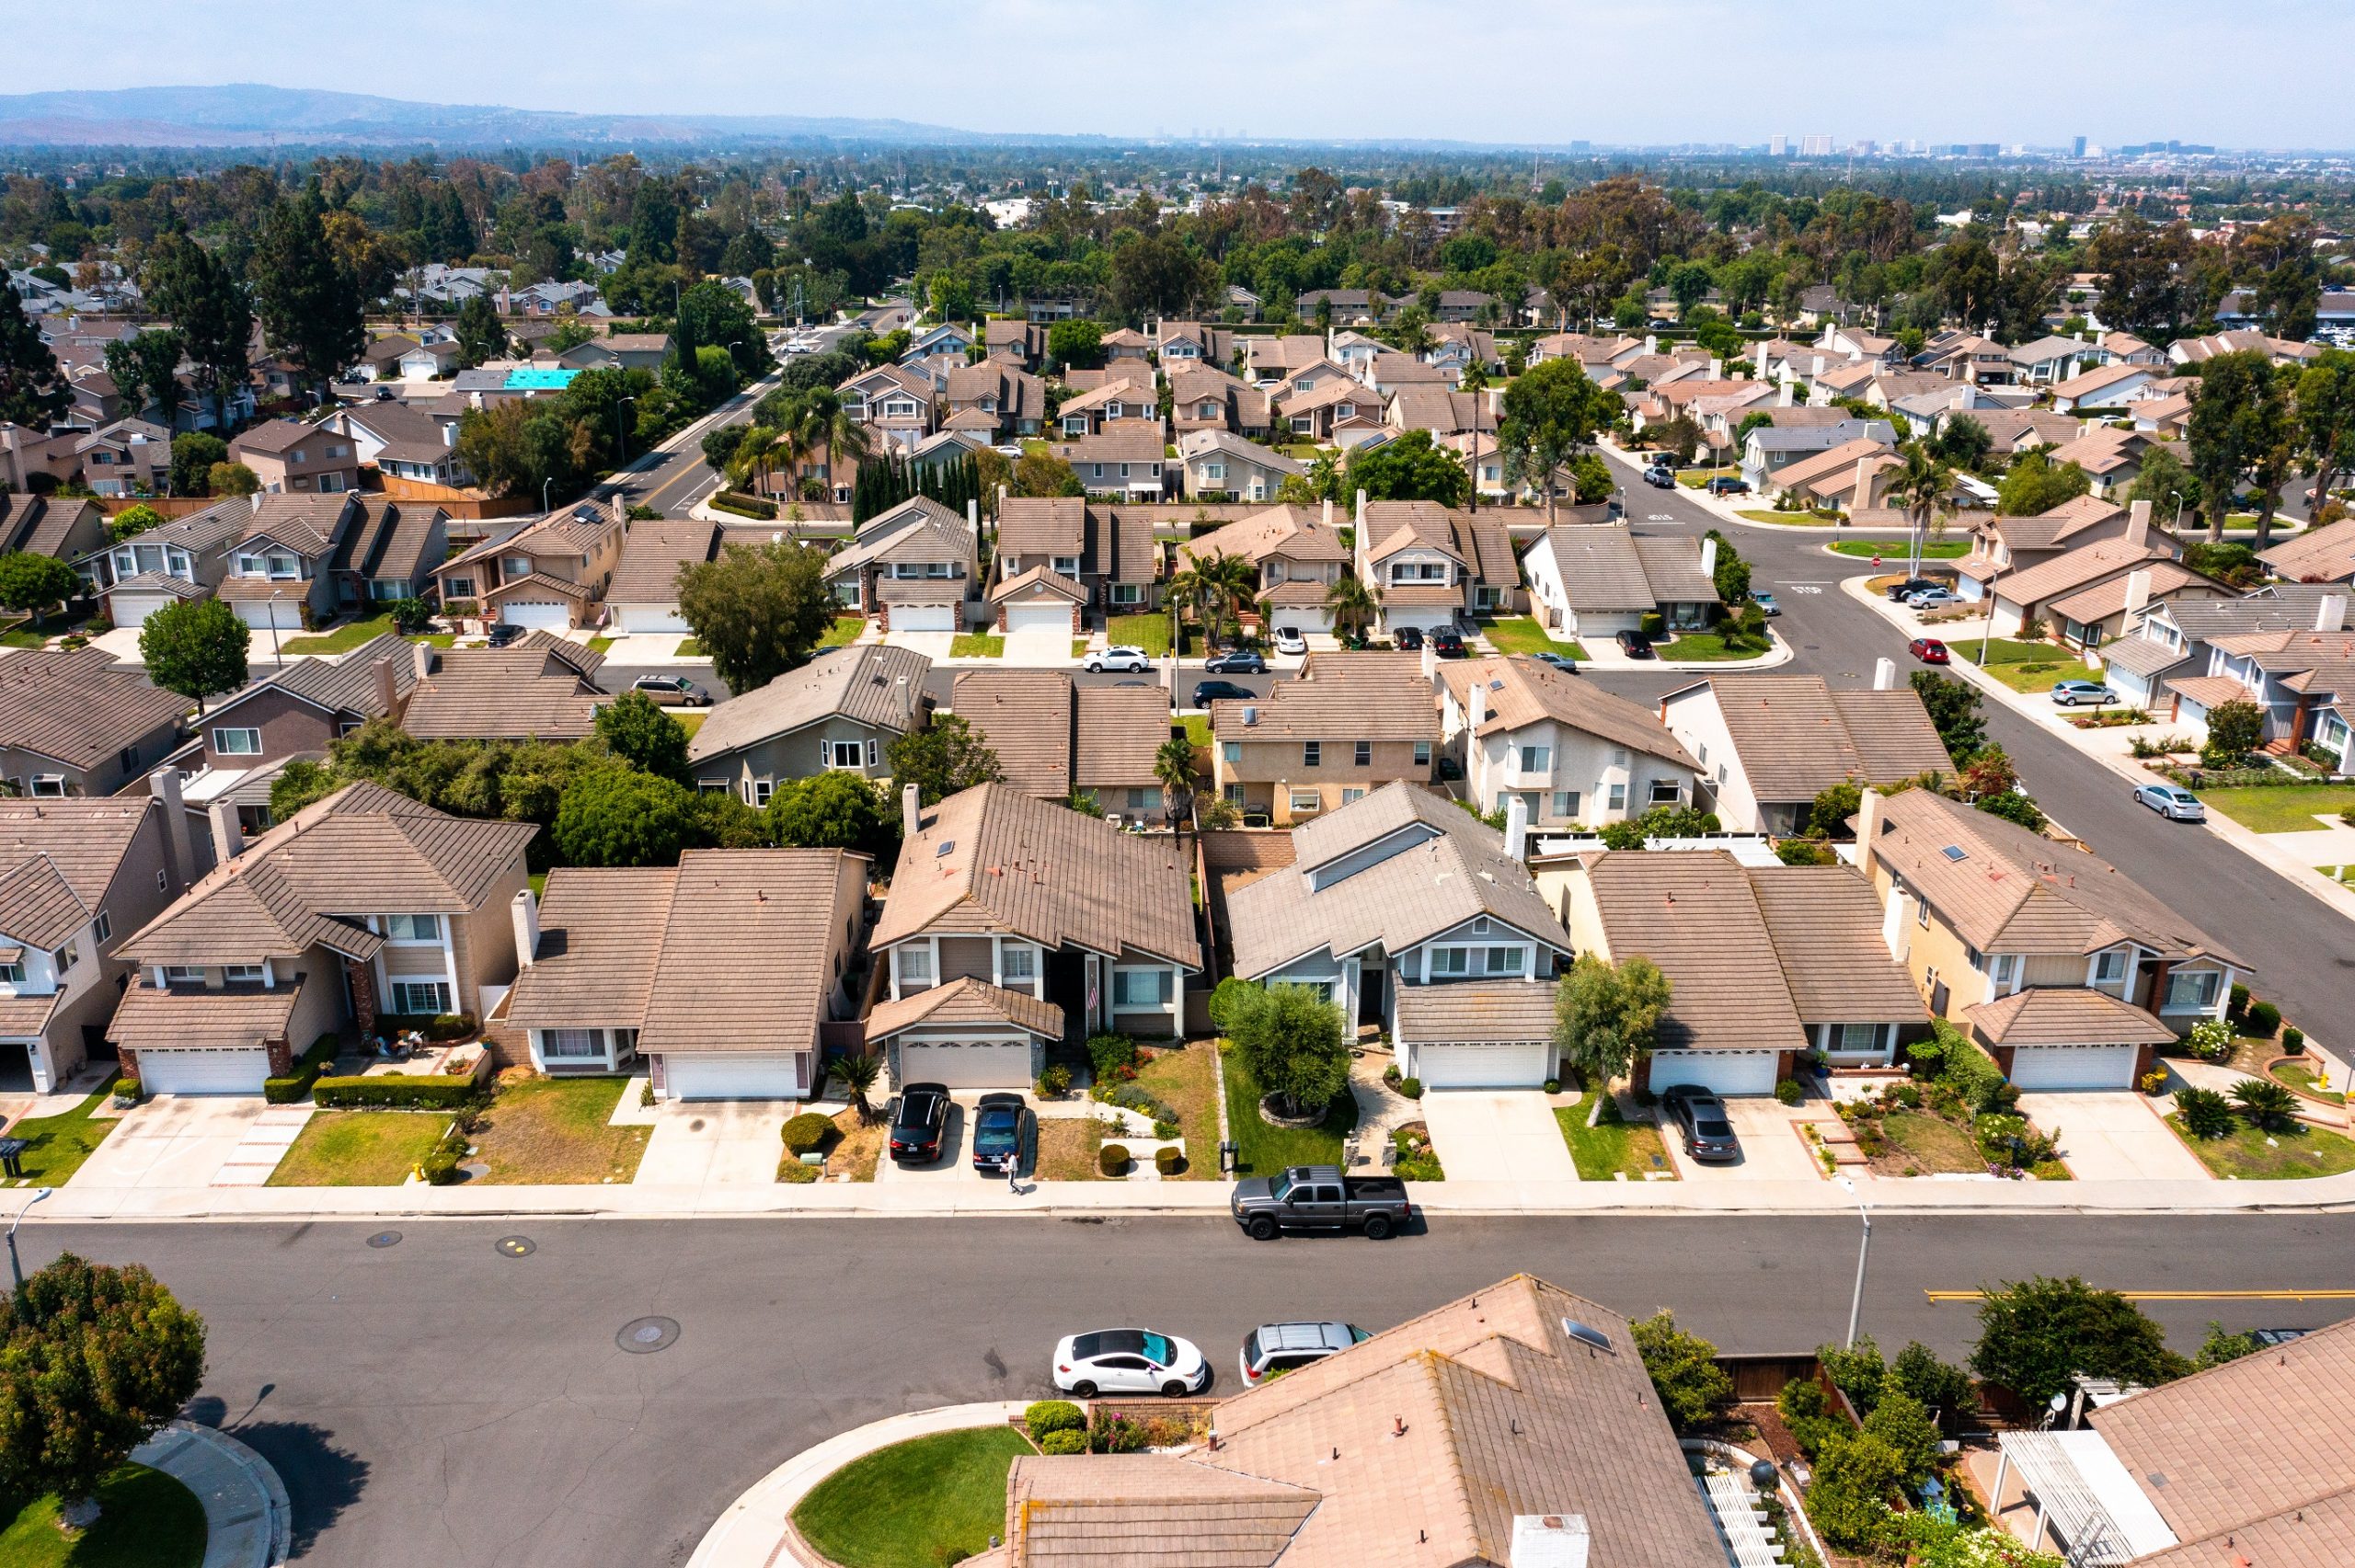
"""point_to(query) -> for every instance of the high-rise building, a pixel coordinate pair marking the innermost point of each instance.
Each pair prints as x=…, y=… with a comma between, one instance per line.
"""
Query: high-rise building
x=2076, y=146
x=1815, y=147
x=1778, y=146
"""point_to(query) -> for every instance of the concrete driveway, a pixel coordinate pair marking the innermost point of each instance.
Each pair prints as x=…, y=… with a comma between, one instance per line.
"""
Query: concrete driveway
x=715, y=1142
x=1035, y=649
x=174, y=1140
x=2113, y=1134
x=951, y=1166
x=1772, y=1148
x=931, y=645
x=1496, y=1135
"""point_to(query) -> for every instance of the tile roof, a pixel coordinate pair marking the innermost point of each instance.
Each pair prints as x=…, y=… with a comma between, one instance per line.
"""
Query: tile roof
x=2106, y=599
x=1826, y=925
x=1338, y=697
x=2077, y=568
x=1041, y=577
x=918, y=528
x=149, y=1018
x=1476, y=1012
x=2311, y=1534
x=1523, y=691
x=2277, y=607
x=1024, y=715
x=1117, y=736
x=57, y=859
x=1838, y=462
x=2319, y=555
x=648, y=572
x=1041, y=525
x=873, y=684
x=1695, y=914
x=2062, y=1015
x=1478, y=540
x=341, y=685
x=389, y=539
x=306, y=524
x=76, y=708
x=1297, y=534
x=594, y=968
x=1155, y=1509
x=520, y=693
x=1796, y=737
x=992, y=857
x=1121, y=441
x=966, y=1001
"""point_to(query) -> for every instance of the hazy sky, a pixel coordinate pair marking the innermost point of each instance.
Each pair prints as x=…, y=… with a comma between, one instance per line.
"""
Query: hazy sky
x=2253, y=73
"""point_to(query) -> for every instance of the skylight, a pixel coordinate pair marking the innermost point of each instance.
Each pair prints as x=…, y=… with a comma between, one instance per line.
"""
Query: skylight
x=1588, y=1334
x=946, y=846
x=1955, y=852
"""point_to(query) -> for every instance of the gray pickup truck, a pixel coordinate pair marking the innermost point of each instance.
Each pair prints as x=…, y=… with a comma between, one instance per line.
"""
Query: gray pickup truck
x=1318, y=1197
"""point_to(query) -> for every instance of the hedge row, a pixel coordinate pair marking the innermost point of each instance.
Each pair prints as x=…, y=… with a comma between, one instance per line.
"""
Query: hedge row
x=742, y=505
x=395, y=1092
x=291, y=1089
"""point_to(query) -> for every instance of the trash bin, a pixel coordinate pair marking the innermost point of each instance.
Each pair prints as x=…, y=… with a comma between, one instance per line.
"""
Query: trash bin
x=12, y=1155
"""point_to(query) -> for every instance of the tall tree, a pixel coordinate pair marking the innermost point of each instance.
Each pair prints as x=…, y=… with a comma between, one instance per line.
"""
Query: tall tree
x=2240, y=418
x=2326, y=405
x=481, y=334
x=645, y=736
x=941, y=759
x=32, y=391
x=1924, y=488
x=1606, y=1015
x=1549, y=415
x=310, y=302
x=758, y=609
x=145, y=367
x=195, y=646
x=208, y=308
x=1411, y=467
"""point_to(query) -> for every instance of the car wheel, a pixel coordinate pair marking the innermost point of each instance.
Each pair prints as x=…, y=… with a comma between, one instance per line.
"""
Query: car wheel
x=1377, y=1227
x=1263, y=1229
x=1084, y=1388
x=1173, y=1391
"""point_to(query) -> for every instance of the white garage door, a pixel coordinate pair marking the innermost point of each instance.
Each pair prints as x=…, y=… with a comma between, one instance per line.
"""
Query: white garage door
x=1303, y=618
x=2073, y=1067
x=550, y=617
x=1520, y=1066
x=132, y=609
x=258, y=615
x=924, y=618
x=1721, y=1072
x=203, y=1072
x=1052, y=617
x=730, y=1075
x=967, y=1064
x=651, y=619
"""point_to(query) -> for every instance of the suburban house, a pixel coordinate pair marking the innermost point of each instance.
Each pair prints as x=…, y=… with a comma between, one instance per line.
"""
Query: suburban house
x=1573, y=753
x=718, y=974
x=997, y=886
x=2050, y=359
x=2010, y=431
x=72, y=529
x=128, y=457
x=1220, y=465
x=294, y=458
x=1125, y=460
x=71, y=723
x=2304, y=678
x=1059, y=741
x=296, y=711
x=1399, y=894
x=1513, y=1426
x=1207, y=399
x=538, y=687
x=406, y=440
x=894, y=403
x=1050, y=545
x=551, y=573
x=2064, y=969
x=914, y=567
x=388, y=550
x=948, y=338
x=643, y=596
x=1771, y=448
x=1024, y=342
x=80, y=872
x=1182, y=345
x=2242, y=341
x=1767, y=745
x=1590, y=581
x=1434, y=565
x=281, y=568
x=1014, y=399
x=1299, y=556
x=1125, y=389
x=2014, y=544
x=2031, y=597
x=1766, y=964
x=839, y=712
x=619, y=350
x=2106, y=388
x=2171, y=640
x=1350, y=724
x=2318, y=555
x=362, y=905
x=1848, y=475
x=183, y=559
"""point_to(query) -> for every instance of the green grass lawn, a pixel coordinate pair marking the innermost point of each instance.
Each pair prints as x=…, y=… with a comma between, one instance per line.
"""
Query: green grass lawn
x=554, y=1130
x=2253, y=1155
x=2283, y=808
x=1149, y=631
x=2022, y=666
x=1898, y=550
x=914, y=1505
x=1265, y=1149
x=359, y=1148
x=844, y=631
x=145, y=1520
x=599, y=645
x=1929, y=1144
x=691, y=722
x=690, y=647
x=1185, y=1080
x=2302, y=1077
x=19, y=637
x=1708, y=646
x=1079, y=647
x=435, y=639
x=59, y=1144
x=1786, y=518
x=1521, y=634
x=1198, y=731
x=343, y=640
x=977, y=644
x=1695, y=478
x=1603, y=1152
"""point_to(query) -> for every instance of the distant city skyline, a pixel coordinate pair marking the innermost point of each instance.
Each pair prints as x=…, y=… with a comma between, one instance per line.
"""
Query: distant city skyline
x=2003, y=72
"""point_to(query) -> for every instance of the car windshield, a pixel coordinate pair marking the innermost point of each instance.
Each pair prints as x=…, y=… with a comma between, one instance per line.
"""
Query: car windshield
x=1279, y=1186
x=997, y=1119
x=1160, y=1351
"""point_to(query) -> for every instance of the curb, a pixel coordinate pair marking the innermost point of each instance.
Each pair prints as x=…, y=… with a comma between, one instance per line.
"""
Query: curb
x=249, y=1522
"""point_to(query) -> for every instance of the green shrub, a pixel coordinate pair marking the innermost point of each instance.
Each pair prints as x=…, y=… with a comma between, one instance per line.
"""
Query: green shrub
x=1110, y=1053
x=2210, y=1039
x=1686, y=1376
x=1060, y=1441
x=2293, y=1039
x=790, y=1170
x=1553, y=1086
x=126, y=1091
x=1113, y=1159
x=441, y=1167
x=805, y=1132
x=1111, y=1433
x=292, y=1088
x=1909, y=1096
x=2237, y=1003
x=2264, y=1103
x=1412, y=1088
x=1169, y=1162
x=1225, y=997
x=1802, y=1400
x=395, y=1092
x=1788, y=1093
x=1854, y=1477
x=1050, y=1415
x=2263, y=1021
x=742, y=505
x=1054, y=1083
x=1164, y=1131
x=2001, y=1133
x=2204, y=1113
x=1856, y=1370
x=1129, y=1097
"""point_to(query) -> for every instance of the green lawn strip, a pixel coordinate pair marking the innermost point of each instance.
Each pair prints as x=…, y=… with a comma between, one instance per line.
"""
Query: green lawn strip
x=1707, y=648
x=844, y=631
x=1149, y=631
x=556, y=1130
x=1931, y=1143
x=1521, y=634
x=146, y=1520
x=359, y=1148
x=2024, y=667
x=1265, y=1149
x=22, y=638
x=1185, y=1081
x=599, y=645
x=690, y=647
x=1198, y=731
x=1786, y=518
x=914, y=1505
x=2289, y=1154
x=977, y=644
x=436, y=640
x=1079, y=647
x=343, y=640
x=1898, y=550
x=2281, y=809
x=691, y=722
x=57, y=1145
x=2307, y=1080
x=1697, y=478
x=1602, y=1153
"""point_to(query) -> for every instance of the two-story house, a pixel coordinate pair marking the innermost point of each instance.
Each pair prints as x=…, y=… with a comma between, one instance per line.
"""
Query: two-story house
x=838, y=713
x=1400, y=908
x=1597, y=581
x=897, y=405
x=541, y=687
x=1434, y=565
x=2314, y=556
x=1219, y=466
x=71, y=723
x=362, y=907
x=549, y=572
x=1327, y=410
x=1575, y=755
x=1060, y=558
x=72, y=528
x=2167, y=658
x=183, y=559
x=1347, y=725
x=1185, y=345
x=1013, y=400
x=294, y=458
x=1204, y=398
x=389, y=550
x=296, y=710
x=1767, y=745
x=1061, y=741
x=1125, y=389
x=414, y=441
x=1024, y=342
x=1299, y=556
x=1124, y=460
x=2007, y=546
x=2066, y=970
x=282, y=566
x=126, y=457
x=914, y=567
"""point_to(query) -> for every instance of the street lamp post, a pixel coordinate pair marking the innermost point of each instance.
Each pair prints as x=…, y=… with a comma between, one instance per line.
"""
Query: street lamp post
x=16, y=1269
x=544, y=491
x=2177, y=496
x=621, y=437
x=277, y=661
x=1863, y=1251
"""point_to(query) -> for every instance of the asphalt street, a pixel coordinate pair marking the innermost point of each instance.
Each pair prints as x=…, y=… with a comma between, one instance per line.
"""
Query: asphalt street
x=438, y=1400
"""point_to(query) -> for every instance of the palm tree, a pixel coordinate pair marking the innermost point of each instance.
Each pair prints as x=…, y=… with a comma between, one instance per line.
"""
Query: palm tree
x=1924, y=487
x=1234, y=582
x=1352, y=604
x=1190, y=589
x=1174, y=766
x=858, y=1074
x=753, y=456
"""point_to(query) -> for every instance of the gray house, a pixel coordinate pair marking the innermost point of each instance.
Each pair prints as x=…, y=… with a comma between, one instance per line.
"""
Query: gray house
x=838, y=713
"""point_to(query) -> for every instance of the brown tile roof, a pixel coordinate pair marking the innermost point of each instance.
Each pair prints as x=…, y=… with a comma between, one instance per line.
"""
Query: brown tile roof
x=873, y=684
x=1840, y=463
x=648, y=572
x=744, y=951
x=1148, y=1508
x=1037, y=578
x=993, y=858
x=1696, y=915
x=1340, y=698
x=1118, y=736
x=1523, y=692
x=307, y=524
x=60, y=858
x=389, y=539
x=1296, y=534
x=966, y=1001
x=77, y=708
x=1476, y=1012
x=595, y=965
x=1796, y=737
x=511, y=693
x=1121, y=441
x=148, y=1018
x=2060, y=1015
x=2319, y=555
x=918, y=528
x=1826, y=926
x=1024, y=715
x=2107, y=599
x=2077, y=568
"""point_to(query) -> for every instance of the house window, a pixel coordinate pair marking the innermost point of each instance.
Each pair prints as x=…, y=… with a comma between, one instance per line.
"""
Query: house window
x=1666, y=791
x=1018, y=963
x=761, y=789
x=846, y=754
x=1141, y=990
x=422, y=997
x=413, y=928
x=242, y=974
x=1504, y=961
x=1311, y=753
x=67, y=956
x=2109, y=967
x=2194, y=993
x=1858, y=1037
x=1363, y=757
x=183, y=974
x=1566, y=803
x=1305, y=801
x=572, y=1045
x=1422, y=753
x=1067, y=564
x=458, y=588
x=1232, y=751
x=1349, y=795
x=1537, y=759
x=711, y=786
x=1450, y=961
x=13, y=974
x=237, y=742
x=1618, y=797
x=2004, y=967
x=914, y=965
x=1234, y=795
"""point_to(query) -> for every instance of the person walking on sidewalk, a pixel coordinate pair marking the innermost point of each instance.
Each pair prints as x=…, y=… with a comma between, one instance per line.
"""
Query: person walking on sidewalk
x=1013, y=1171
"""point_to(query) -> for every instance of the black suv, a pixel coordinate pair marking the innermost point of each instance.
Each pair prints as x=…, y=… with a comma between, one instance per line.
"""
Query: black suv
x=502, y=633
x=1901, y=591
x=1448, y=644
x=1701, y=1117
x=919, y=1122
x=1409, y=639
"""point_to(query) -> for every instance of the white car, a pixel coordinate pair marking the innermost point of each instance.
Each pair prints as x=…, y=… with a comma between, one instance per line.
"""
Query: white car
x=1289, y=640
x=1129, y=1361
x=2179, y=805
x=1933, y=598
x=1131, y=659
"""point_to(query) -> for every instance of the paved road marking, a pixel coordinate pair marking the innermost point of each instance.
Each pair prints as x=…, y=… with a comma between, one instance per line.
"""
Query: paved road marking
x=1938, y=1296
x=1804, y=587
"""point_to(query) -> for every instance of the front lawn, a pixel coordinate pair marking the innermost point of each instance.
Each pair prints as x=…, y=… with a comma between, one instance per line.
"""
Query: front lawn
x=1612, y=1148
x=977, y=644
x=1521, y=634
x=852, y=1147
x=1898, y=550
x=1198, y=731
x=359, y=1148
x=1919, y=1144
x=1789, y=519
x=1695, y=478
x=57, y=1145
x=844, y=631
x=914, y=1505
x=1707, y=648
x=343, y=640
x=691, y=722
x=146, y=1520
x=1183, y=1079
x=1149, y=631
x=690, y=647
x=1263, y=1149
x=2281, y=809
x=2252, y=1154
x=2298, y=1075
x=1067, y=1146
x=554, y=1129
x=2024, y=667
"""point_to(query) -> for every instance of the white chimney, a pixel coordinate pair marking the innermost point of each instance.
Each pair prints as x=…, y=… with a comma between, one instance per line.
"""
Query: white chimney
x=1716, y=368
x=1430, y=660
x=387, y=690
x=2138, y=525
x=1884, y=675
x=1709, y=558
x=2330, y=615
x=1329, y=511
x=525, y=910
x=1517, y=826
x=421, y=657
x=1818, y=366
x=228, y=839
x=973, y=513
x=1652, y=342
x=164, y=783
x=1867, y=813
x=1476, y=706
x=2138, y=588
x=911, y=812
x=1359, y=517
x=1783, y=398
x=1548, y=1540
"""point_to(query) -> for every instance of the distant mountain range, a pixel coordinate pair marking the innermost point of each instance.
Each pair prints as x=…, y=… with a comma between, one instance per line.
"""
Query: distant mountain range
x=256, y=116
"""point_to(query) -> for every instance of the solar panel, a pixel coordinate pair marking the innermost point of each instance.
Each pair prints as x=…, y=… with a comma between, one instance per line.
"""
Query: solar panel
x=1588, y=1335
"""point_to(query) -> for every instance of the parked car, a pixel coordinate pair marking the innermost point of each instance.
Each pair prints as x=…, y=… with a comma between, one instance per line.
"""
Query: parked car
x=1700, y=1117
x=998, y=1123
x=1288, y=639
x=1127, y=659
x=2069, y=693
x=1766, y=603
x=919, y=1122
x=2180, y=805
x=1284, y=1348
x=1561, y=661
x=1936, y=597
x=1409, y=639
x=670, y=689
x=1448, y=644
x=1635, y=645
x=503, y=634
x=1901, y=593
x=1728, y=485
x=1660, y=478
x=1929, y=650
x=1129, y=1361
x=1208, y=691
x=1235, y=661
x=1319, y=1198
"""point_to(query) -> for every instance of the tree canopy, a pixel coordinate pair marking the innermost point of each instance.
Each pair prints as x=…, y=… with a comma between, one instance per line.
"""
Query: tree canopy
x=1606, y=1015
x=195, y=646
x=758, y=609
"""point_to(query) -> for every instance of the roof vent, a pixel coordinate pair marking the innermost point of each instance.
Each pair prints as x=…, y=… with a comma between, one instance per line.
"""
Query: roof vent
x=1587, y=1334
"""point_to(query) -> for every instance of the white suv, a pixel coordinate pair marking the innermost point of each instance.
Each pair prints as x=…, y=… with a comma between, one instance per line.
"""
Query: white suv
x=1131, y=659
x=1289, y=640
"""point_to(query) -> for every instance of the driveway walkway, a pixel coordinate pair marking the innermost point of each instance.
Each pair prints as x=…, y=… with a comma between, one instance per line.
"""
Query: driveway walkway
x=1497, y=1136
x=175, y=1140
x=1032, y=648
x=716, y=1142
x=1772, y=1149
x=266, y=1139
x=2112, y=1137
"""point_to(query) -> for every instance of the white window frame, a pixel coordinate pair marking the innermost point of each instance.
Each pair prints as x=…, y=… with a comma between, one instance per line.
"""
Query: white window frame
x=554, y=1041
x=1536, y=759
x=2103, y=962
x=2212, y=981
x=1566, y=804
x=835, y=749
x=401, y=931
x=1422, y=753
x=245, y=973
x=1306, y=802
x=1125, y=979
x=222, y=740
x=1017, y=961
x=1311, y=753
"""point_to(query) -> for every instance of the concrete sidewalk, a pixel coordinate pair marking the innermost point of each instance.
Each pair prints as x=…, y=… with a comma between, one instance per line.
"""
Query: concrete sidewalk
x=247, y=1521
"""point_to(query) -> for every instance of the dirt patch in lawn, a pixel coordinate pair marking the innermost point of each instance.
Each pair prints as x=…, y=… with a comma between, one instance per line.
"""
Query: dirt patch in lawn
x=1067, y=1146
x=1184, y=1078
x=1918, y=1144
x=854, y=1146
x=556, y=1130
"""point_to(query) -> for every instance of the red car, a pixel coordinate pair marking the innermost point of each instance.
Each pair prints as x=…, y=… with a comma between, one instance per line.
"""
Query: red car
x=1929, y=650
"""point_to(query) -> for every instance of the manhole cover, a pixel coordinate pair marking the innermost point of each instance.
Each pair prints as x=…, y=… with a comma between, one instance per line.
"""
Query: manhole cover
x=644, y=1336
x=517, y=1246
x=386, y=1238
